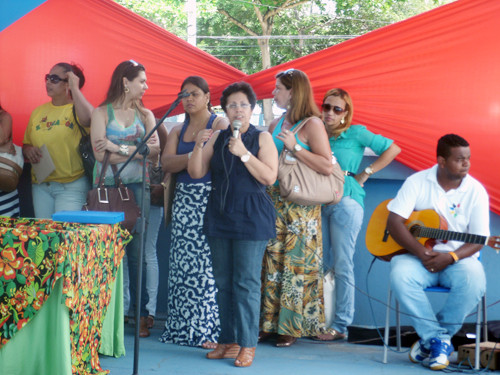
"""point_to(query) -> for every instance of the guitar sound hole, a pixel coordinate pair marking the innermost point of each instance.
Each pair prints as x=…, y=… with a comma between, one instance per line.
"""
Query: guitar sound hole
x=414, y=230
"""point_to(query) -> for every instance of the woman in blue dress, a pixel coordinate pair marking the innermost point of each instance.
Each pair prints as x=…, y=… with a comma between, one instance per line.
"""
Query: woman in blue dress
x=193, y=317
x=239, y=220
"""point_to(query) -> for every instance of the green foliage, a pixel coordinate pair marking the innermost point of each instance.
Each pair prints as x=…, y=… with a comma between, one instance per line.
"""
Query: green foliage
x=305, y=26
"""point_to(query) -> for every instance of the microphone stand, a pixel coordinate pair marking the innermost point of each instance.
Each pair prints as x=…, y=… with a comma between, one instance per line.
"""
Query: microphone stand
x=143, y=149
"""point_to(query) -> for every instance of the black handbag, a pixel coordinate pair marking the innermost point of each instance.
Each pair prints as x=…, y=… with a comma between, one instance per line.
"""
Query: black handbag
x=85, y=150
x=116, y=198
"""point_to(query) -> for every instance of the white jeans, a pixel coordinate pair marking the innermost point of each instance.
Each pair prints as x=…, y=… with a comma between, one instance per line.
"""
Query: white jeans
x=152, y=273
x=467, y=283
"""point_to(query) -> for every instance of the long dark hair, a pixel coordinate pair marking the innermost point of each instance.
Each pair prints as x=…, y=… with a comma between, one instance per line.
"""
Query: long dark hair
x=116, y=91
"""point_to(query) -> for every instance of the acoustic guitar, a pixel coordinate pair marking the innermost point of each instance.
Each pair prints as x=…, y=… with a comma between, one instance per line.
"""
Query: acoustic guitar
x=426, y=226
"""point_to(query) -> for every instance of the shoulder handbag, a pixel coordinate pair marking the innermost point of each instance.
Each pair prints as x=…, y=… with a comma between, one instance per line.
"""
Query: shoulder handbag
x=116, y=198
x=155, y=180
x=302, y=185
x=85, y=150
x=10, y=172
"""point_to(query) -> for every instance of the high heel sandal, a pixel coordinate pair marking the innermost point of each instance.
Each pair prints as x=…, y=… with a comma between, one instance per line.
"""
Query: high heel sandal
x=223, y=351
x=245, y=357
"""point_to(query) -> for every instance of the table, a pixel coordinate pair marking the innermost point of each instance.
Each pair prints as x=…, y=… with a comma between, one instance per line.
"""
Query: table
x=56, y=283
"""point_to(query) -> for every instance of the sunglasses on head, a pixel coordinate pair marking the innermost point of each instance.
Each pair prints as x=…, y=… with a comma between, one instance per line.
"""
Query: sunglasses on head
x=336, y=109
x=54, y=78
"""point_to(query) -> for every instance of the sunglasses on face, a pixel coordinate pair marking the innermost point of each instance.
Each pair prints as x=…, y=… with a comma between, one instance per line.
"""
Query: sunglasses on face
x=336, y=109
x=54, y=78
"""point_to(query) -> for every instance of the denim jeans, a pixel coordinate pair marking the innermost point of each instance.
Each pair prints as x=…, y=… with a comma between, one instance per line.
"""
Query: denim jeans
x=467, y=283
x=133, y=249
x=341, y=225
x=52, y=197
x=237, y=268
x=152, y=273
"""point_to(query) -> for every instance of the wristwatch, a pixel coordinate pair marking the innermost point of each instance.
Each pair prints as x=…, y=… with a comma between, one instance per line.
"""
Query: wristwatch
x=297, y=148
x=246, y=157
x=369, y=170
x=123, y=150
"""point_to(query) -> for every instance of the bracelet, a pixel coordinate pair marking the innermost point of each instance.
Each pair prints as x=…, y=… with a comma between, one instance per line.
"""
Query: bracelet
x=123, y=150
x=454, y=256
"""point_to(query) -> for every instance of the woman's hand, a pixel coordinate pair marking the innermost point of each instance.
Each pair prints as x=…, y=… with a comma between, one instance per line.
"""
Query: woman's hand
x=203, y=136
x=361, y=178
x=236, y=147
x=32, y=154
x=73, y=81
x=288, y=139
x=103, y=144
x=153, y=139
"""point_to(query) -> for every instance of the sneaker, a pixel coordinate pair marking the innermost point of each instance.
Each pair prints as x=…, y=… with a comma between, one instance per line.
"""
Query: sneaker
x=440, y=350
x=419, y=352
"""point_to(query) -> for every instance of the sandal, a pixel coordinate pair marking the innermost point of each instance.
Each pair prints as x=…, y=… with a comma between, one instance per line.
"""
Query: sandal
x=209, y=345
x=224, y=351
x=245, y=357
x=330, y=335
x=151, y=321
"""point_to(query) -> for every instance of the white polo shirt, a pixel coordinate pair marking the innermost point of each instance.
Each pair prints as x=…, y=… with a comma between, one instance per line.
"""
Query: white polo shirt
x=466, y=209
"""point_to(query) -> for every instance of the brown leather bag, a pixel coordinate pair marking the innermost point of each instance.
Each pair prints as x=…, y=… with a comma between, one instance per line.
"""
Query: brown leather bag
x=116, y=198
x=302, y=185
x=10, y=172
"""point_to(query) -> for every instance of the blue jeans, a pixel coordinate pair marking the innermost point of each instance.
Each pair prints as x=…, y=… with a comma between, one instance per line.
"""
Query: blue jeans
x=341, y=224
x=467, y=283
x=132, y=252
x=237, y=266
x=52, y=197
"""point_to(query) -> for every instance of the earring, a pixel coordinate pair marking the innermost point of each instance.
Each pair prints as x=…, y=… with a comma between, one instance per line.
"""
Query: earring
x=342, y=121
x=126, y=90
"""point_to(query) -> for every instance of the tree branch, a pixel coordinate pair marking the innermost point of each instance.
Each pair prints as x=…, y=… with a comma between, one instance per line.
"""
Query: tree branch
x=289, y=4
x=237, y=23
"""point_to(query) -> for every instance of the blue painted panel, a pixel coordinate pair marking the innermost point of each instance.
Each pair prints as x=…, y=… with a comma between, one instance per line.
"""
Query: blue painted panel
x=12, y=10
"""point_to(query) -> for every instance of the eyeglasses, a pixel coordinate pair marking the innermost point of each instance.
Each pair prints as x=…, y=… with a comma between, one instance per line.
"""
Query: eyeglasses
x=336, y=109
x=134, y=63
x=242, y=106
x=54, y=78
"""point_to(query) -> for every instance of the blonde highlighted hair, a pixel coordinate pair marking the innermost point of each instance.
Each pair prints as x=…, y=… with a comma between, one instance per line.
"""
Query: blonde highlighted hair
x=344, y=95
x=302, y=103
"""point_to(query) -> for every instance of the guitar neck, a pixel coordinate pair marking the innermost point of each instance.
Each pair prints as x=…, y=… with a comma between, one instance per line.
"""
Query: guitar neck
x=447, y=235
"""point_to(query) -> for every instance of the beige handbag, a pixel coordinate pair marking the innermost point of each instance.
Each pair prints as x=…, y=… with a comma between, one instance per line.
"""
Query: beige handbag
x=302, y=185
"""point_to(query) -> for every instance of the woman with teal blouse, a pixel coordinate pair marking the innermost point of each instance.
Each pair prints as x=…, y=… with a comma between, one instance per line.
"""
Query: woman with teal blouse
x=341, y=223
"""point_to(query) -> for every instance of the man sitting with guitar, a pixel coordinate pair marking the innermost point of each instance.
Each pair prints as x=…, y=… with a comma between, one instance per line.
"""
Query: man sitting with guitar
x=463, y=202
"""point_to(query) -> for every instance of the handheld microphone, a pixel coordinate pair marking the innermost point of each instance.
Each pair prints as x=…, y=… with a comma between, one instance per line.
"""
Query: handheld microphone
x=236, y=128
x=183, y=94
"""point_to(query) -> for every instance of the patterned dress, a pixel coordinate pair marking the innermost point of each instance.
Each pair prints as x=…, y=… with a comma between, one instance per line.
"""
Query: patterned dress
x=193, y=316
x=292, y=273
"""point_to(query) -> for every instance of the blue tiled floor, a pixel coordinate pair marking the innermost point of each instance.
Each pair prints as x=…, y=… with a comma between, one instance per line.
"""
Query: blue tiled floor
x=305, y=357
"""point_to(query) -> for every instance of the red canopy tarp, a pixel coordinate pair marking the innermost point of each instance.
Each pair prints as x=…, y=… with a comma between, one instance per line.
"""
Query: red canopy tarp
x=413, y=81
x=97, y=34
x=416, y=80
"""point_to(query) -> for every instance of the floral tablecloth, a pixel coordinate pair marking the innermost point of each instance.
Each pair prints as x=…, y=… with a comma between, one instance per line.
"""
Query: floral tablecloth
x=34, y=254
